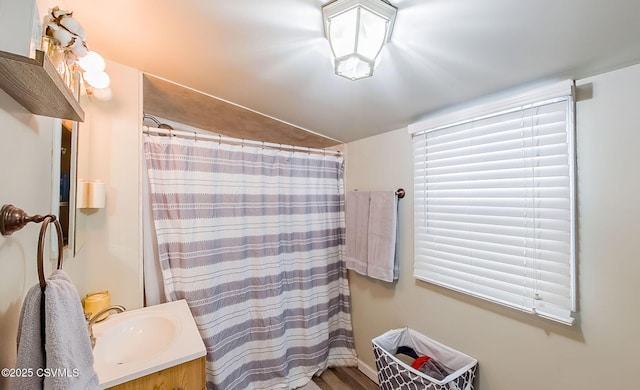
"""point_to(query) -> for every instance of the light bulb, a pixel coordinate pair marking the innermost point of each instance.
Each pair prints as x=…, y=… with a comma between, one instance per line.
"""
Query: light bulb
x=98, y=80
x=92, y=62
x=102, y=94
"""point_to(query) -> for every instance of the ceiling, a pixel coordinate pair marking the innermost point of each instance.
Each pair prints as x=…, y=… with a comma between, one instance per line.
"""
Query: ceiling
x=271, y=55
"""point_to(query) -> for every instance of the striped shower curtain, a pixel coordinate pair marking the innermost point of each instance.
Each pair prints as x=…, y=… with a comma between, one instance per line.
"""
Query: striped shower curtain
x=253, y=239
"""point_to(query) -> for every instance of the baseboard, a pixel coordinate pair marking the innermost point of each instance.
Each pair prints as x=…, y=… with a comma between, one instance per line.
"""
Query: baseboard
x=368, y=371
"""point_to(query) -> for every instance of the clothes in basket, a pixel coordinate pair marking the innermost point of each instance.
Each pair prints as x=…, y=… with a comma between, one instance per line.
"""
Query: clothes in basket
x=393, y=374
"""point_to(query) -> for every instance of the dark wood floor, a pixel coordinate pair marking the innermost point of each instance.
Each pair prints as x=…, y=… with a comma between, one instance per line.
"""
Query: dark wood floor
x=344, y=378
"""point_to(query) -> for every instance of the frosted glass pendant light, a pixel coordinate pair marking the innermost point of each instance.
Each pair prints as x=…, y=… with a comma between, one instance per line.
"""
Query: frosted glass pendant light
x=357, y=30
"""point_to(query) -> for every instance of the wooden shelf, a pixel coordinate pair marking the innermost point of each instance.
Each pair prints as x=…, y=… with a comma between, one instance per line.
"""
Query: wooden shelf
x=35, y=84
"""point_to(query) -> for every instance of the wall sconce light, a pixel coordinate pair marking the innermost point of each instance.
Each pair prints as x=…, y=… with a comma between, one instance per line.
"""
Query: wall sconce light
x=96, y=79
x=65, y=35
x=357, y=30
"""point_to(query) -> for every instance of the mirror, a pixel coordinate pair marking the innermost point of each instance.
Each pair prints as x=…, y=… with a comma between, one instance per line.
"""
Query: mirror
x=66, y=131
x=65, y=174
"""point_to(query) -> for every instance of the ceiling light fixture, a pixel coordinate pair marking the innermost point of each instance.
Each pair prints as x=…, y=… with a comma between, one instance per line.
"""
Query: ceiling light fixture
x=357, y=30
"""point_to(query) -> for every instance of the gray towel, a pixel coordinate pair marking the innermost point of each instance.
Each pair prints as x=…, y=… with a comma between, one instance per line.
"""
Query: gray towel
x=30, y=356
x=357, y=225
x=69, y=358
x=381, y=251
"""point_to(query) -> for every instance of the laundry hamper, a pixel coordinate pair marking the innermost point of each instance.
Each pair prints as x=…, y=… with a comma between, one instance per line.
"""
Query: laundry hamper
x=393, y=374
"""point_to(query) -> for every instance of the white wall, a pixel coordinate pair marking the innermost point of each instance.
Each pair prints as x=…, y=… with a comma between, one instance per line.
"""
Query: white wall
x=25, y=181
x=515, y=350
x=110, y=151
x=111, y=257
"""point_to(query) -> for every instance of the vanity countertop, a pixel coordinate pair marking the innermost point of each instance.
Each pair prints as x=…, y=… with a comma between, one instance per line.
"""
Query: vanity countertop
x=140, y=342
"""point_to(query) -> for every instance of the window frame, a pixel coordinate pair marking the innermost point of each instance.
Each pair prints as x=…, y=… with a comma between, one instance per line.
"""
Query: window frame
x=496, y=107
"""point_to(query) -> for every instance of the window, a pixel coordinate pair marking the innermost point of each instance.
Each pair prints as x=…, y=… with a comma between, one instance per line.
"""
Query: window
x=494, y=201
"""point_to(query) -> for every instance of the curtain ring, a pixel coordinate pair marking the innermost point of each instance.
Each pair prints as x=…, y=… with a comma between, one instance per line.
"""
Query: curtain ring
x=219, y=139
x=195, y=137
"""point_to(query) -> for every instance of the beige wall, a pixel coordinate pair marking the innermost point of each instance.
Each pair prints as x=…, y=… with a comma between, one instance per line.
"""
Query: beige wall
x=515, y=350
x=25, y=181
x=111, y=256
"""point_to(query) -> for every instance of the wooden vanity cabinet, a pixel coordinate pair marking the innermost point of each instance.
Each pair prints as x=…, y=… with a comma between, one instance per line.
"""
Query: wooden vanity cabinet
x=185, y=376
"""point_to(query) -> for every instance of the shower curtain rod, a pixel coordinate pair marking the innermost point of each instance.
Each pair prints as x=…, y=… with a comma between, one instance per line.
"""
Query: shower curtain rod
x=236, y=141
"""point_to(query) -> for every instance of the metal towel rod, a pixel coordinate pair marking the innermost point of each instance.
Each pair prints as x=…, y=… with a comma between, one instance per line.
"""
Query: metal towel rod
x=13, y=219
x=400, y=193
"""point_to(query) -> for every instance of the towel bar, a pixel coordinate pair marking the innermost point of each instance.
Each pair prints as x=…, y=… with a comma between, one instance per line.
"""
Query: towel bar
x=400, y=193
x=13, y=219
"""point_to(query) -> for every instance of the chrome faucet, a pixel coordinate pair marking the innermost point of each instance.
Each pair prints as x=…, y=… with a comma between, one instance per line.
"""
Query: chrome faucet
x=93, y=319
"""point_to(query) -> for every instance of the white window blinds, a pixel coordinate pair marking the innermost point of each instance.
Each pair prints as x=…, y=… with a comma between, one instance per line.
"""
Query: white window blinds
x=494, y=202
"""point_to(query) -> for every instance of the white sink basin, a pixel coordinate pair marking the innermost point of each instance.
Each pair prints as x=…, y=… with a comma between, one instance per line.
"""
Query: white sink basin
x=139, y=342
x=135, y=339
